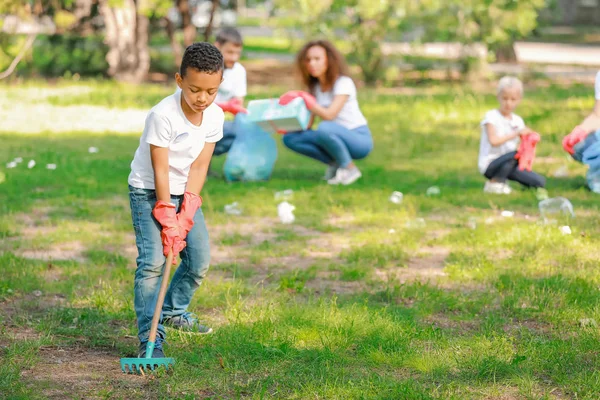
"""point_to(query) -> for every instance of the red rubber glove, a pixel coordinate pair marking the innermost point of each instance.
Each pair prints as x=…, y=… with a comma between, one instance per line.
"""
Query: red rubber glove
x=190, y=204
x=576, y=136
x=526, y=152
x=233, y=106
x=165, y=213
x=309, y=99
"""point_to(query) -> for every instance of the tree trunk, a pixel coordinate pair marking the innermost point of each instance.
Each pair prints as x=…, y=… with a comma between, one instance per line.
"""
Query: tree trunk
x=175, y=46
x=127, y=38
x=209, y=26
x=506, y=54
x=189, y=30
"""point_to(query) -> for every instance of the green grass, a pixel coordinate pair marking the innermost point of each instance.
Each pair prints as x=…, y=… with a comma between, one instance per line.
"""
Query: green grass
x=335, y=306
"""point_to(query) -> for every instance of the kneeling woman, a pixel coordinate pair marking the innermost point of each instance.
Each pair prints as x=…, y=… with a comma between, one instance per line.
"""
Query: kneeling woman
x=343, y=135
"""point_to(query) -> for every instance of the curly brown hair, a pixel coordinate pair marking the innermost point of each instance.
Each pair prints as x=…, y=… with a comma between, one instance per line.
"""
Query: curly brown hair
x=336, y=65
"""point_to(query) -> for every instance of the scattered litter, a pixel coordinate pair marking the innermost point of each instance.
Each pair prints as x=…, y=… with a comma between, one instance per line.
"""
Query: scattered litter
x=93, y=150
x=51, y=166
x=11, y=164
x=392, y=231
x=396, y=197
x=566, y=230
x=284, y=195
x=489, y=220
x=507, y=214
x=554, y=206
x=286, y=212
x=562, y=172
x=37, y=293
x=588, y=322
x=233, y=209
x=31, y=164
x=433, y=191
x=416, y=223
x=18, y=160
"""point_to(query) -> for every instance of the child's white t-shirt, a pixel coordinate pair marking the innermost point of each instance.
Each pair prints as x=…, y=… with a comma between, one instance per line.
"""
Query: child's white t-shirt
x=504, y=126
x=233, y=85
x=350, y=115
x=167, y=126
x=598, y=86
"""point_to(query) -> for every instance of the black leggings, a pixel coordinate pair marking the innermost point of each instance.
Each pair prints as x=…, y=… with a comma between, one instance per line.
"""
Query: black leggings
x=506, y=167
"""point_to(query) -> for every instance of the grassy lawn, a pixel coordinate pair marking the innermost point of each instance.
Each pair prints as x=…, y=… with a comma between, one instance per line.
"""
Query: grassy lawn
x=436, y=298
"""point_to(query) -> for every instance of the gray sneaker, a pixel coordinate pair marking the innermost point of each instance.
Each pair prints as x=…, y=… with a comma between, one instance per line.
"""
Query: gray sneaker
x=186, y=322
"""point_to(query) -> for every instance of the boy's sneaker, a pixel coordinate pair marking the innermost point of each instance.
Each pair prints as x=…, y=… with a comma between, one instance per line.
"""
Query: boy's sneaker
x=330, y=173
x=186, y=322
x=158, y=350
x=496, y=188
x=345, y=176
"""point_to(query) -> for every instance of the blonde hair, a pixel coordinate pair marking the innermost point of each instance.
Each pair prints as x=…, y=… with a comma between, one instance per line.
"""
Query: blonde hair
x=509, y=82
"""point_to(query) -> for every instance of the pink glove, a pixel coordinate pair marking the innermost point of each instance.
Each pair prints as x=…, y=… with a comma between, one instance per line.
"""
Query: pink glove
x=309, y=99
x=190, y=204
x=576, y=136
x=526, y=152
x=233, y=106
x=165, y=214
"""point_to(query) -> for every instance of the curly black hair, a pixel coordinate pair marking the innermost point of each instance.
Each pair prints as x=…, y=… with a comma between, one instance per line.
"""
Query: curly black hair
x=203, y=57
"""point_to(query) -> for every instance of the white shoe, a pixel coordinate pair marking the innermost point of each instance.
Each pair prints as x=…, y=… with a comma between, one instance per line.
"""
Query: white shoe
x=345, y=176
x=495, y=188
x=507, y=189
x=330, y=173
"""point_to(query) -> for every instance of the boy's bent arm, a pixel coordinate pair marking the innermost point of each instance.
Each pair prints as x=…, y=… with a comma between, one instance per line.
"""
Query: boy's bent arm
x=496, y=140
x=160, y=164
x=199, y=169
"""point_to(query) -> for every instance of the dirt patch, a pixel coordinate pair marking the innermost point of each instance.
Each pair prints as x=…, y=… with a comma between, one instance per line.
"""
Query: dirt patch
x=443, y=321
x=265, y=72
x=328, y=282
x=81, y=373
x=426, y=267
x=63, y=251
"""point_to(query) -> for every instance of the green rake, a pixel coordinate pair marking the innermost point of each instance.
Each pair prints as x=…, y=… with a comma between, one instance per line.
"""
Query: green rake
x=137, y=365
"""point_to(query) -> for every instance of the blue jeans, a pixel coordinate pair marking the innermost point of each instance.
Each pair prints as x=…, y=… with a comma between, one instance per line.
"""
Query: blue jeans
x=151, y=262
x=229, y=136
x=331, y=143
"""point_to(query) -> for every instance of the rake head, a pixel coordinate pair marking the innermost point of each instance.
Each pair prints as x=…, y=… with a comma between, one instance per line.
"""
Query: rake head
x=138, y=365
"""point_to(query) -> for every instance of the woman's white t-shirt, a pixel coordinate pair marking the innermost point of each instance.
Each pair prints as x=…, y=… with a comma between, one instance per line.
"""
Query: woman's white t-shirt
x=504, y=126
x=350, y=115
x=167, y=126
x=598, y=86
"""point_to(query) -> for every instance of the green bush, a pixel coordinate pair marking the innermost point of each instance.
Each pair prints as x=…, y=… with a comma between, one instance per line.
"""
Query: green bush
x=59, y=55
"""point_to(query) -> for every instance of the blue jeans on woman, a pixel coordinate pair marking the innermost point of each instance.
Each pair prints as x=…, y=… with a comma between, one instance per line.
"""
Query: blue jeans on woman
x=151, y=262
x=331, y=143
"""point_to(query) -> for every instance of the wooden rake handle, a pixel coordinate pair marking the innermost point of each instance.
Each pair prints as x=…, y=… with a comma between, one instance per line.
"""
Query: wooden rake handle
x=161, y=297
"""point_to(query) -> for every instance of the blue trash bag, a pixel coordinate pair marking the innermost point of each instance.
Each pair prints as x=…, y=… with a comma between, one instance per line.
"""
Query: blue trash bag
x=253, y=153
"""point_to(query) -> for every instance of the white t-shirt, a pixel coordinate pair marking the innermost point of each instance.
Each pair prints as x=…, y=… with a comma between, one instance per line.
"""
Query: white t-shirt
x=504, y=126
x=598, y=86
x=233, y=85
x=350, y=115
x=167, y=126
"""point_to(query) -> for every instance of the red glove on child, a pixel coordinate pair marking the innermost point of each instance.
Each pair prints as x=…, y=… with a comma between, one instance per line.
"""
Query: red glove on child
x=165, y=214
x=309, y=99
x=526, y=152
x=190, y=204
x=576, y=136
x=233, y=106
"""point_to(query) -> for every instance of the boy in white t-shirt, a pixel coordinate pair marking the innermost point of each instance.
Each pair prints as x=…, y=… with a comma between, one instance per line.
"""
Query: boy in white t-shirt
x=233, y=89
x=500, y=133
x=168, y=172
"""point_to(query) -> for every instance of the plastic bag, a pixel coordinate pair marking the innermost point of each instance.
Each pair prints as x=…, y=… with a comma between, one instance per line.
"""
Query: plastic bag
x=253, y=153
